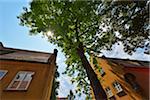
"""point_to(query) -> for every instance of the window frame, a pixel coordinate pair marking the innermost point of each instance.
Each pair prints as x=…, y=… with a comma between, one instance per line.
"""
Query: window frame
x=109, y=92
x=131, y=80
x=5, y=72
x=21, y=80
x=117, y=86
x=102, y=72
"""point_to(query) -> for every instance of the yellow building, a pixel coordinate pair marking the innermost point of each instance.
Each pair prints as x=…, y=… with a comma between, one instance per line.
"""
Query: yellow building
x=26, y=75
x=123, y=79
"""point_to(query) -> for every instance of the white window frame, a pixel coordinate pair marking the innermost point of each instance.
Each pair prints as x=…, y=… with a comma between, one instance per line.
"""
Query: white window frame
x=5, y=71
x=117, y=86
x=109, y=92
x=23, y=76
x=102, y=71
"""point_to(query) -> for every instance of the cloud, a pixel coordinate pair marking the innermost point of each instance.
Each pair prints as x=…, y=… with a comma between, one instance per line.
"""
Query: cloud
x=118, y=52
x=65, y=85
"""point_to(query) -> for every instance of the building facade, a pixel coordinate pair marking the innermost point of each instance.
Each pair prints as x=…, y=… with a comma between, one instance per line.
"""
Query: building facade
x=26, y=75
x=123, y=79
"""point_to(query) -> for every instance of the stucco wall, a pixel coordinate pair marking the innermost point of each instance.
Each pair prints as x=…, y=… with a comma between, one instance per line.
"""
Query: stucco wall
x=115, y=72
x=142, y=77
x=41, y=82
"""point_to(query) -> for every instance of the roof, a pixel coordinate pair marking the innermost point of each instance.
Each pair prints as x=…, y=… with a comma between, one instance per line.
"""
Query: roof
x=62, y=98
x=128, y=62
x=23, y=55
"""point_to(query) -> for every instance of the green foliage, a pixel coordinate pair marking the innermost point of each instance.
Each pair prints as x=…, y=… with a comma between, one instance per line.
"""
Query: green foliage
x=71, y=95
x=94, y=60
x=70, y=22
x=130, y=19
x=94, y=23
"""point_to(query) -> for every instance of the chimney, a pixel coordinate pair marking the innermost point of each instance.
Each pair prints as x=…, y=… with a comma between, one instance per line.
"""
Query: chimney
x=53, y=57
x=55, y=52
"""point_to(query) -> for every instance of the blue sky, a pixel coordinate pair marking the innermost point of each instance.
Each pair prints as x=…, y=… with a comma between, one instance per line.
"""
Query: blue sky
x=14, y=35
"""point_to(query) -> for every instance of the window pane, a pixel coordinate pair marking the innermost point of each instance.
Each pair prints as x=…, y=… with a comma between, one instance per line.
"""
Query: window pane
x=16, y=81
x=109, y=92
x=20, y=76
x=101, y=72
x=2, y=73
x=28, y=77
x=21, y=81
x=26, y=81
x=117, y=86
x=23, y=85
x=15, y=84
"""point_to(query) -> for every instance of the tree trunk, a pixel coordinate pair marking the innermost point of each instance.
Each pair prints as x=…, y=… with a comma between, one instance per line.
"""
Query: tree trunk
x=95, y=84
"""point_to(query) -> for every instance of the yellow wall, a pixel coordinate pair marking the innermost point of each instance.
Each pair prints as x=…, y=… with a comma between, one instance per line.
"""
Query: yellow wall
x=115, y=73
x=40, y=86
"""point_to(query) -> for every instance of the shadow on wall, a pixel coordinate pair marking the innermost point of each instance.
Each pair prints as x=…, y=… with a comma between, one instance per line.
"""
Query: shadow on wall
x=118, y=71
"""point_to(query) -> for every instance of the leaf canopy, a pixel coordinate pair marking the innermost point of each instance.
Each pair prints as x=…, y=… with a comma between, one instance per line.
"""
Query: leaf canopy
x=97, y=24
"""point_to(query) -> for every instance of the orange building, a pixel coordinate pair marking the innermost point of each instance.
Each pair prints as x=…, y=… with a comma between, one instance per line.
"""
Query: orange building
x=26, y=75
x=123, y=79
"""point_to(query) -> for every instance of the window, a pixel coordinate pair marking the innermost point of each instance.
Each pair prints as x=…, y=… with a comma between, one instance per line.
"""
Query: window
x=131, y=79
x=101, y=72
x=2, y=73
x=109, y=92
x=119, y=89
x=21, y=81
x=117, y=86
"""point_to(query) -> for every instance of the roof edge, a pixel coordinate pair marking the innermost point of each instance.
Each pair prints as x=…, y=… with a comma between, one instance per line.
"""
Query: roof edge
x=124, y=59
x=29, y=61
x=1, y=44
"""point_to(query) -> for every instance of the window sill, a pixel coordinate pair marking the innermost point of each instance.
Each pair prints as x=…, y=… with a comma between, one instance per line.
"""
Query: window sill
x=121, y=93
x=14, y=90
x=112, y=98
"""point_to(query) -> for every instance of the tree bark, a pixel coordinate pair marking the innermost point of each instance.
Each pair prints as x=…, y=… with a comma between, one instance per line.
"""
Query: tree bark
x=95, y=84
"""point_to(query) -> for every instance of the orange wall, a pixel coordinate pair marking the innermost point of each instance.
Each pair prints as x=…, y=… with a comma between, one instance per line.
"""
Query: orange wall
x=115, y=73
x=40, y=85
x=142, y=77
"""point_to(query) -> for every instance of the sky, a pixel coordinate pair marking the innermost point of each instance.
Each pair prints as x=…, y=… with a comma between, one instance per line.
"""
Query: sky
x=16, y=36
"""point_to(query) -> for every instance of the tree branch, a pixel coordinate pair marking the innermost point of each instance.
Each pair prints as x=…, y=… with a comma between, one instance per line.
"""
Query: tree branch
x=88, y=29
x=77, y=31
x=91, y=49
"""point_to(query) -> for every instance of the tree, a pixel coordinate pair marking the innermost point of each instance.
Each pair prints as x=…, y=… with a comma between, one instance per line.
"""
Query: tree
x=71, y=96
x=79, y=27
x=130, y=19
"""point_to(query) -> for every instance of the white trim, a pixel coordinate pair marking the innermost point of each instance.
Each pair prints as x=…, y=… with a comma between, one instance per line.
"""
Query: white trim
x=109, y=92
x=20, y=77
x=117, y=86
x=5, y=71
x=102, y=71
